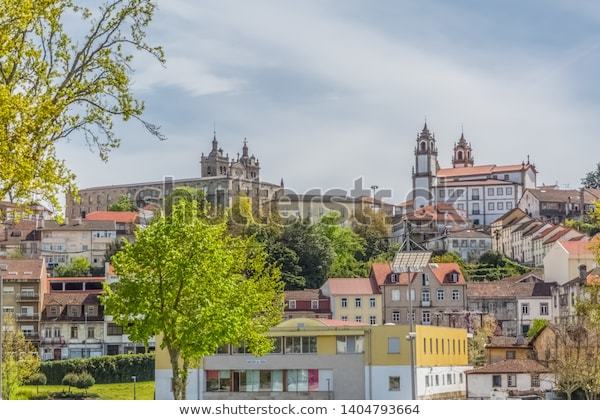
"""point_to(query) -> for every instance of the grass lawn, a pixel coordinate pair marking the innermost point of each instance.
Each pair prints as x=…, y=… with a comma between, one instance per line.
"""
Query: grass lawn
x=123, y=391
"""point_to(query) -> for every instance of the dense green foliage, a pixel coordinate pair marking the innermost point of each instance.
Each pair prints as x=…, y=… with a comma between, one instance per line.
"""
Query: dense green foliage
x=105, y=369
x=589, y=223
x=123, y=203
x=491, y=266
x=536, y=326
x=77, y=267
x=592, y=178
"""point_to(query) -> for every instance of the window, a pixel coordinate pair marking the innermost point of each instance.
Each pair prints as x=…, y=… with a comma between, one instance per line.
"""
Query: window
x=535, y=380
x=357, y=302
x=372, y=320
x=508, y=190
x=53, y=310
x=350, y=344
x=358, y=318
x=372, y=302
x=299, y=345
x=497, y=381
x=56, y=332
x=413, y=315
x=460, y=206
x=393, y=345
x=448, y=379
x=344, y=318
x=491, y=206
x=394, y=383
x=442, y=193
x=455, y=294
x=314, y=304
x=292, y=304
x=74, y=311
x=74, y=332
x=412, y=294
x=425, y=295
x=218, y=380
x=490, y=192
x=525, y=308
x=8, y=290
x=395, y=295
x=475, y=194
x=440, y=294
x=437, y=380
x=454, y=243
x=500, y=205
x=499, y=191
x=443, y=348
x=426, y=318
x=424, y=279
x=91, y=332
x=475, y=208
x=512, y=380
x=544, y=308
x=511, y=354
x=396, y=316
x=509, y=205
x=91, y=310
x=427, y=381
x=344, y=302
x=47, y=332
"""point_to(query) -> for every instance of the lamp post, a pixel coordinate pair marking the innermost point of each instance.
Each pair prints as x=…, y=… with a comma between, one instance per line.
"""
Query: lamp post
x=3, y=267
x=134, y=379
x=411, y=262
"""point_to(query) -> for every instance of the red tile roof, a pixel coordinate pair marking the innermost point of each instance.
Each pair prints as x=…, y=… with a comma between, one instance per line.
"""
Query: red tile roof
x=352, y=286
x=441, y=270
x=380, y=272
x=511, y=366
x=483, y=170
x=581, y=247
x=22, y=269
x=116, y=216
x=556, y=236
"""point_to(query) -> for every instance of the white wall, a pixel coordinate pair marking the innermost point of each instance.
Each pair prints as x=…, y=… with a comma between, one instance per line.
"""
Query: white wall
x=480, y=385
x=444, y=386
x=379, y=375
x=162, y=384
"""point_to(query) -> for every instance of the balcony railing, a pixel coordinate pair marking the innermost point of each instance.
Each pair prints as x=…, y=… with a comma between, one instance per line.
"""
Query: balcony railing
x=426, y=303
x=53, y=340
x=28, y=296
x=28, y=317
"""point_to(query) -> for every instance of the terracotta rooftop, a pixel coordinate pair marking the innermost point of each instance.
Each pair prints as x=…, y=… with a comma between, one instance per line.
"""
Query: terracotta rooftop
x=116, y=216
x=554, y=195
x=503, y=341
x=441, y=270
x=352, y=286
x=306, y=294
x=83, y=225
x=556, y=236
x=481, y=170
x=63, y=299
x=581, y=247
x=511, y=366
x=380, y=272
x=504, y=289
x=22, y=269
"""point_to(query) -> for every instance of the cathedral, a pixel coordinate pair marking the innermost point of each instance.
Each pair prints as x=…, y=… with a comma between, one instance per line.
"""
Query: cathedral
x=215, y=164
x=481, y=193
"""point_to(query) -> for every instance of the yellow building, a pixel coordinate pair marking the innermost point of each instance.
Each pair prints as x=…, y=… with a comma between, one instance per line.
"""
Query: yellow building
x=354, y=299
x=330, y=359
x=506, y=348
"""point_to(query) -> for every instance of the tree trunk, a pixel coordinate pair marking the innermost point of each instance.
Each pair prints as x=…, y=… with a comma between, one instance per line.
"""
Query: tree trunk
x=179, y=381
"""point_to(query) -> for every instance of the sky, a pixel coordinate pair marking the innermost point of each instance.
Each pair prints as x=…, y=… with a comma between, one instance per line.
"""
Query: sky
x=330, y=91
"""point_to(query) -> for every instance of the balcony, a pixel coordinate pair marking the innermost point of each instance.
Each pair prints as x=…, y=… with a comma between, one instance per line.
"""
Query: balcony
x=31, y=336
x=28, y=296
x=28, y=317
x=425, y=303
x=54, y=340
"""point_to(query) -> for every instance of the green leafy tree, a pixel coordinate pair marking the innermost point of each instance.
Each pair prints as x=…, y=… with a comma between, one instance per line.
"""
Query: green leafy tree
x=37, y=379
x=314, y=251
x=347, y=247
x=195, y=286
x=79, y=266
x=55, y=86
x=592, y=178
x=84, y=381
x=536, y=327
x=589, y=223
x=375, y=230
x=480, y=338
x=123, y=203
x=70, y=380
x=20, y=360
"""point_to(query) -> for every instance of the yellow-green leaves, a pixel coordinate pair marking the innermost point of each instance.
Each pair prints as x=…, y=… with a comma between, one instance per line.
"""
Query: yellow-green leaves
x=53, y=87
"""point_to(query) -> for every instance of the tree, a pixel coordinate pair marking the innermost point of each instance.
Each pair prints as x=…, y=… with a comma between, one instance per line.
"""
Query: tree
x=19, y=359
x=37, y=379
x=375, y=229
x=592, y=178
x=347, y=247
x=536, y=327
x=70, y=380
x=480, y=338
x=79, y=266
x=589, y=222
x=195, y=286
x=54, y=87
x=123, y=203
x=84, y=381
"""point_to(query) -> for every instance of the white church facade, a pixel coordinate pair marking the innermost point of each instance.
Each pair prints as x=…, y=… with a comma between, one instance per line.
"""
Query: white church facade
x=482, y=193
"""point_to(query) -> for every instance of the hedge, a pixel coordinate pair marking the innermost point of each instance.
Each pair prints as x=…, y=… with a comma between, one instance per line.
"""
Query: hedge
x=104, y=369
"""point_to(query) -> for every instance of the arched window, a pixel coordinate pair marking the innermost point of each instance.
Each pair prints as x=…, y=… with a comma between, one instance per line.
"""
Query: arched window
x=423, y=146
x=460, y=155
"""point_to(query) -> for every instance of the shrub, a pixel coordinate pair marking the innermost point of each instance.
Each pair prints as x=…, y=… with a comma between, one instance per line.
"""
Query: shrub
x=37, y=379
x=70, y=380
x=104, y=369
x=84, y=381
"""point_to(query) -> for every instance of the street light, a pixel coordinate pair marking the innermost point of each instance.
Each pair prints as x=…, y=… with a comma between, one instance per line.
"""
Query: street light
x=134, y=379
x=3, y=267
x=411, y=262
